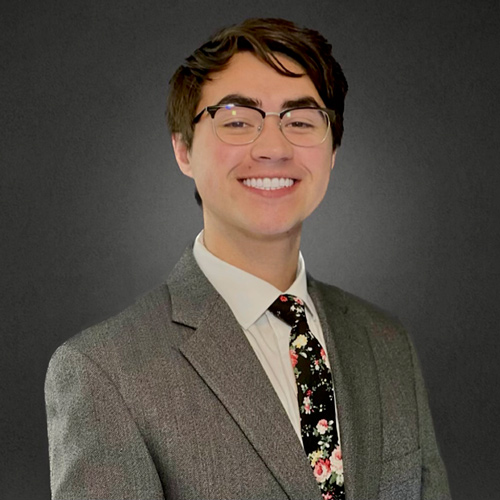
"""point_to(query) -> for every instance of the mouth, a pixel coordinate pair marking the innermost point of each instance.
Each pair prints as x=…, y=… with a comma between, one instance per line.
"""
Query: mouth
x=269, y=183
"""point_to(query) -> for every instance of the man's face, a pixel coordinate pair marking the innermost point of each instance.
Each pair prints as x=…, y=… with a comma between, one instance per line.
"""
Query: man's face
x=230, y=207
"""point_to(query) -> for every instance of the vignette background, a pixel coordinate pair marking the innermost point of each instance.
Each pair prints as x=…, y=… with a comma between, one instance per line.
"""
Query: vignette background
x=94, y=211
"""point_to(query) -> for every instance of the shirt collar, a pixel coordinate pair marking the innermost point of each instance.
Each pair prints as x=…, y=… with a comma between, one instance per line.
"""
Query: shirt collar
x=248, y=296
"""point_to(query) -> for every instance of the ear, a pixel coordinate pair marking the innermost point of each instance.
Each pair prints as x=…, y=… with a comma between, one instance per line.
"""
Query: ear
x=334, y=154
x=182, y=155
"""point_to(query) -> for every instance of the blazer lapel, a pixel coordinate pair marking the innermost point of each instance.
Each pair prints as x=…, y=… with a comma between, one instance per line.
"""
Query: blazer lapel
x=356, y=390
x=220, y=353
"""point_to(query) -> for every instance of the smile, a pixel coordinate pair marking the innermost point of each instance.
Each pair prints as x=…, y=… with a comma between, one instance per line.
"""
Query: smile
x=269, y=184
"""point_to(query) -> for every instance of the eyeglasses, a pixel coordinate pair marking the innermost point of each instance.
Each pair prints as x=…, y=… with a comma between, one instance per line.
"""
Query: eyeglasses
x=238, y=125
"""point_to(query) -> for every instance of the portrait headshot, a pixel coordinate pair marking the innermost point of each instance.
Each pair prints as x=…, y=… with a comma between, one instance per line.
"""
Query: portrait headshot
x=252, y=252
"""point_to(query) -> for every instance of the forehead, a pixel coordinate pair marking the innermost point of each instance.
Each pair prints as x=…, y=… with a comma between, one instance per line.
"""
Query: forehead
x=251, y=77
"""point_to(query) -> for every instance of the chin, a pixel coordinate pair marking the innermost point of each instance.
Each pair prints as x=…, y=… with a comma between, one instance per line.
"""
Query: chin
x=274, y=230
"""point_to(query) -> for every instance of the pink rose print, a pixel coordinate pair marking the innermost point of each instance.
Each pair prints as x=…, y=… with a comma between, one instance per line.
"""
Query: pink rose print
x=309, y=392
x=336, y=460
x=293, y=358
x=323, y=354
x=283, y=298
x=327, y=496
x=322, y=470
x=322, y=426
x=299, y=301
x=307, y=405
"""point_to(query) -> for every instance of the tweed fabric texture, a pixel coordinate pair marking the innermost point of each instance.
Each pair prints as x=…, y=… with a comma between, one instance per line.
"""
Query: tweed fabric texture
x=167, y=400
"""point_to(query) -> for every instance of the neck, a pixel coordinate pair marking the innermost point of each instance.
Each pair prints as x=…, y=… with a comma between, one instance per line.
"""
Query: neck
x=271, y=258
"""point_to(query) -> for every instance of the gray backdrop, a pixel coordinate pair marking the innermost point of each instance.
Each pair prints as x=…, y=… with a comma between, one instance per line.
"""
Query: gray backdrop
x=94, y=211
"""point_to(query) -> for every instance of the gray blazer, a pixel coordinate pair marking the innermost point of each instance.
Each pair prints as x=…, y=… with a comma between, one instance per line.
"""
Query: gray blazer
x=167, y=400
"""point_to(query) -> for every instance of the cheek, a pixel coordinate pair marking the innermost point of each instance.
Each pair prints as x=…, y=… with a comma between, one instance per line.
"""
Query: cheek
x=321, y=168
x=214, y=165
x=320, y=172
x=222, y=159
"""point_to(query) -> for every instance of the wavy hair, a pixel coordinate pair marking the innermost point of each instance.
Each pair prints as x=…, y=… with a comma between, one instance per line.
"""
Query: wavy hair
x=263, y=37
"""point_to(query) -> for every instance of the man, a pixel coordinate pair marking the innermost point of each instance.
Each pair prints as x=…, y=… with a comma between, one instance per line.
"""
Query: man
x=242, y=377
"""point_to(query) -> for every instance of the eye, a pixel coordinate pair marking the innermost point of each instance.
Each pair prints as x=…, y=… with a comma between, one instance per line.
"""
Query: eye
x=236, y=124
x=299, y=124
x=303, y=120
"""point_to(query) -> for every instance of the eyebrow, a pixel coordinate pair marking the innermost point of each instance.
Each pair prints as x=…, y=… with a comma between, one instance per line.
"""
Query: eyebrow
x=239, y=99
x=301, y=102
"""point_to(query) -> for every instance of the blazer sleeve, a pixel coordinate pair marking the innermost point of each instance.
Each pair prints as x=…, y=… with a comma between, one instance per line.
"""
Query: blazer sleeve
x=434, y=477
x=96, y=450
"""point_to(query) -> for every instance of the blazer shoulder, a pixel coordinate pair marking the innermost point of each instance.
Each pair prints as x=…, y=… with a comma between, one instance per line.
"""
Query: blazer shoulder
x=377, y=330
x=355, y=308
x=140, y=324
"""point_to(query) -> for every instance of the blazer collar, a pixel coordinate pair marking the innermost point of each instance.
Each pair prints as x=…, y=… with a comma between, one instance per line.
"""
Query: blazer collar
x=356, y=385
x=191, y=293
x=220, y=353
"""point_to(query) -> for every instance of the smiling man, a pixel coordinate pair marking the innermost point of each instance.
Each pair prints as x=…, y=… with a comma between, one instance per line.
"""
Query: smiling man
x=259, y=176
x=243, y=377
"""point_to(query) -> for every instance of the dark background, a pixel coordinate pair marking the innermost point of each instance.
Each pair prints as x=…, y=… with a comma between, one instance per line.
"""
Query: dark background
x=94, y=211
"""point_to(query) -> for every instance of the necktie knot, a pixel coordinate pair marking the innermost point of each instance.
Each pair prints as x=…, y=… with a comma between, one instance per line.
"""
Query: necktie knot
x=288, y=308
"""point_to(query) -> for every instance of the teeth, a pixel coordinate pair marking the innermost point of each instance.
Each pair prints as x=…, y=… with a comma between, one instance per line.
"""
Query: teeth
x=269, y=184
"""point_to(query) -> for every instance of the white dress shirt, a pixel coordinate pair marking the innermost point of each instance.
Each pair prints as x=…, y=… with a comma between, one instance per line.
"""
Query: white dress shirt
x=249, y=298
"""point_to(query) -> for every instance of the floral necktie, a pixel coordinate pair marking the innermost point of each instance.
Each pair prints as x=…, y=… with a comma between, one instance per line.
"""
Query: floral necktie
x=315, y=398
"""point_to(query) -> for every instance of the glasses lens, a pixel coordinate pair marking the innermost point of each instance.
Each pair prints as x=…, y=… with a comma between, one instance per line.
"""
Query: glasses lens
x=237, y=125
x=305, y=126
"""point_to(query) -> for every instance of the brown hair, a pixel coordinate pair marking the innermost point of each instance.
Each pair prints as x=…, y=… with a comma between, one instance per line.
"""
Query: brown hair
x=262, y=37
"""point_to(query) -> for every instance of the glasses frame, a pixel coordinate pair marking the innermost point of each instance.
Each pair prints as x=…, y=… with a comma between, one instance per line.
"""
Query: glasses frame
x=211, y=110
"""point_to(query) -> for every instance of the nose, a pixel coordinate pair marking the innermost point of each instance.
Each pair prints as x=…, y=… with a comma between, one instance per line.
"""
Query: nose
x=271, y=145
